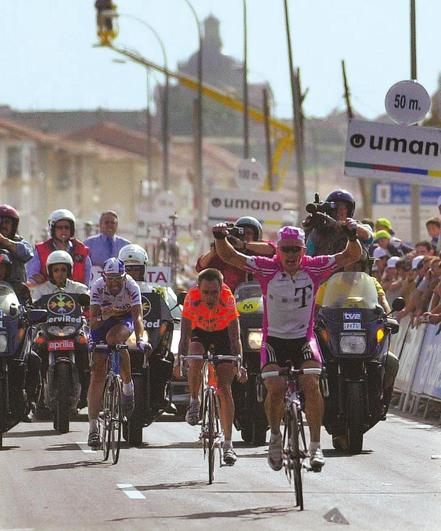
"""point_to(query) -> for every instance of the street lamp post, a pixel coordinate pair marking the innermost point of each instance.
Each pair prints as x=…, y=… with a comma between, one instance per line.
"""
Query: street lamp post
x=199, y=154
x=246, y=139
x=165, y=99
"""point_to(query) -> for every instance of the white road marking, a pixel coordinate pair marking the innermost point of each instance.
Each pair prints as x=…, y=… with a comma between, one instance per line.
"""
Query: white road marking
x=130, y=491
x=84, y=448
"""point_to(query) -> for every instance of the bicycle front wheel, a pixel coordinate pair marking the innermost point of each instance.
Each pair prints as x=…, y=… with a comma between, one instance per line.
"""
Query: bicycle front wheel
x=211, y=425
x=116, y=419
x=105, y=418
x=295, y=458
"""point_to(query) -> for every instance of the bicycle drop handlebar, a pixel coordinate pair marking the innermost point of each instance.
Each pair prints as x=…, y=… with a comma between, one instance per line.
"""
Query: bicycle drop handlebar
x=286, y=371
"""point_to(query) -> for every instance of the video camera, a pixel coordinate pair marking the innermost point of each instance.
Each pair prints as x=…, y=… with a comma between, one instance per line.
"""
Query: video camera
x=321, y=214
x=235, y=231
x=324, y=207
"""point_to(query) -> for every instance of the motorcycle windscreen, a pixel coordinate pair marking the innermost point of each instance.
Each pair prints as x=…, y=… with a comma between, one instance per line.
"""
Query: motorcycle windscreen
x=248, y=297
x=7, y=298
x=350, y=290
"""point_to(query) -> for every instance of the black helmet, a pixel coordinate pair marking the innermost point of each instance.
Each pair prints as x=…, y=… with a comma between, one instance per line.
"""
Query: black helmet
x=253, y=223
x=342, y=195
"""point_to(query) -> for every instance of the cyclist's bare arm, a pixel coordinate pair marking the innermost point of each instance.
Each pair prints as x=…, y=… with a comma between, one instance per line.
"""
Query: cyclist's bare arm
x=205, y=259
x=184, y=341
x=349, y=255
x=228, y=253
x=138, y=323
x=234, y=335
x=261, y=248
x=95, y=316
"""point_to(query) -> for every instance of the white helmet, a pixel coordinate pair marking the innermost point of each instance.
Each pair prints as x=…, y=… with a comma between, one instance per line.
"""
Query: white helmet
x=60, y=257
x=133, y=254
x=58, y=215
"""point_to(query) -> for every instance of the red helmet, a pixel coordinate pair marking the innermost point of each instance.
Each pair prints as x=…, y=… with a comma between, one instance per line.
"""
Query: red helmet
x=7, y=211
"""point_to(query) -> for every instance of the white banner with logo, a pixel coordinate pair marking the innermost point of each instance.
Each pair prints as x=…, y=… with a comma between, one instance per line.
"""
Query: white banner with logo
x=158, y=275
x=228, y=205
x=396, y=152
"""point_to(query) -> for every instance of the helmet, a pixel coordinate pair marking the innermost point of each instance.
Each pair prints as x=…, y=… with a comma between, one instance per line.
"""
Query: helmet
x=343, y=195
x=7, y=211
x=253, y=223
x=59, y=257
x=133, y=254
x=114, y=266
x=58, y=215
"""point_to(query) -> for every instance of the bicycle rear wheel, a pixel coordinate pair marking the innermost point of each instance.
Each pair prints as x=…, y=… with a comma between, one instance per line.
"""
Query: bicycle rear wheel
x=116, y=419
x=294, y=424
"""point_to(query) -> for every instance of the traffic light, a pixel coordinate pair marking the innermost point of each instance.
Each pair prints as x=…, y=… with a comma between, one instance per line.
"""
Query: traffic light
x=106, y=21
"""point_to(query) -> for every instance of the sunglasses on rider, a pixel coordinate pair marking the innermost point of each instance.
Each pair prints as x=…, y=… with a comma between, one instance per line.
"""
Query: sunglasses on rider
x=291, y=249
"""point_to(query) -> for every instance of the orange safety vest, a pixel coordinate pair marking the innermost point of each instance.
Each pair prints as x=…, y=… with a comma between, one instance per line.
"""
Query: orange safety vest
x=79, y=254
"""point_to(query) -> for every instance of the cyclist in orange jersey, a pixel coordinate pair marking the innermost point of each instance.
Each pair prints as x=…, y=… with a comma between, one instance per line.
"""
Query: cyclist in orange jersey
x=210, y=321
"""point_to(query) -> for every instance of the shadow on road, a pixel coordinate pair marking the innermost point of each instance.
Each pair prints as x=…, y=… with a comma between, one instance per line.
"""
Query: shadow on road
x=67, y=466
x=340, y=453
x=176, y=446
x=172, y=486
x=63, y=447
x=31, y=433
x=4, y=448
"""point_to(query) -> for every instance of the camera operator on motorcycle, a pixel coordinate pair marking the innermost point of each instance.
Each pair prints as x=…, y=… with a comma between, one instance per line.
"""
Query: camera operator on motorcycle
x=136, y=259
x=325, y=224
x=289, y=282
x=20, y=250
x=245, y=236
x=210, y=317
x=62, y=230
x=116, y=312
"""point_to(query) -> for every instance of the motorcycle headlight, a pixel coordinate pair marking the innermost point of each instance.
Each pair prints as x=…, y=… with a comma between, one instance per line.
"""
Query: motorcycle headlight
x=3, y=343
x=61, y=331
x=353, y=343
x=255, y=338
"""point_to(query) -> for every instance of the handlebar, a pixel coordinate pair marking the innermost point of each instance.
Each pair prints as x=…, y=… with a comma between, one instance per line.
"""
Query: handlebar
x=210, y=357
x=286, y=371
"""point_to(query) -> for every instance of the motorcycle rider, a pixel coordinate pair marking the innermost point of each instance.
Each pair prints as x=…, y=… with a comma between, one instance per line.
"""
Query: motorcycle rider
x=62, y=230
x=289, y=282
x=116, y=312
x=250, y=244
x=6, y=275
x=20, y=250
x=330, y=238
x=136, y=259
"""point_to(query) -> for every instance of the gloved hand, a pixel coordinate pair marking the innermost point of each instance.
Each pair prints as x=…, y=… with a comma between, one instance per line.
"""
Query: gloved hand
x=143, y=346
x=350, y=228
x=220, y=231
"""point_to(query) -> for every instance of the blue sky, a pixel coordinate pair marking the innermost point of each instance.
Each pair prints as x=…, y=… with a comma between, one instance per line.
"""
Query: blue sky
x=48, y=62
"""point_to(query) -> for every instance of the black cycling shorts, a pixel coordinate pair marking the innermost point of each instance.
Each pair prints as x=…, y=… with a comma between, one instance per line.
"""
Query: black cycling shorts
x=217, y=342
x=279, y=351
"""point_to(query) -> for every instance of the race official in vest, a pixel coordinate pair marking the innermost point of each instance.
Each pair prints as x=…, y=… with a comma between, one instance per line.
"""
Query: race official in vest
x=62, y=230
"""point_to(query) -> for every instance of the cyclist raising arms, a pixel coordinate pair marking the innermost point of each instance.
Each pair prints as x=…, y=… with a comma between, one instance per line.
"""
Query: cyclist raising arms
x=210, y=318
x=289, y=282
x=115, y=312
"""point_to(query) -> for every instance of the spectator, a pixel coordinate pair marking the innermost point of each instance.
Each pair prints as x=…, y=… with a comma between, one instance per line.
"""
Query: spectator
x=424, y=248
x=380, y=259
x=106, y=244
x=384, y=224
x=433, y=226
x=412, y=297
x=389, y=277
x=393, y=245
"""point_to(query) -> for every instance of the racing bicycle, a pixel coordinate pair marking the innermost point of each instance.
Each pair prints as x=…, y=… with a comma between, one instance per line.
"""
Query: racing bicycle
x=295, y=450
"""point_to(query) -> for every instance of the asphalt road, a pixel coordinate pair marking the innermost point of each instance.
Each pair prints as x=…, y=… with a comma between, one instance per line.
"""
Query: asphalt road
x=51, y=481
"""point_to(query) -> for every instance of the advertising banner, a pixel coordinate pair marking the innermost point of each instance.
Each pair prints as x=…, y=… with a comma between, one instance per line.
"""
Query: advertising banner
x=394, y=152
x=409, y=357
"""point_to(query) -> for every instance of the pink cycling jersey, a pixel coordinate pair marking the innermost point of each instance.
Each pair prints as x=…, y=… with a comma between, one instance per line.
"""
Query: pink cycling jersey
x=289, y=299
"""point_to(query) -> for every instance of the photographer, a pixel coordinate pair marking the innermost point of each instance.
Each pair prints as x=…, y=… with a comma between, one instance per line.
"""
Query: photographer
x=246, y=237
x=323, y=226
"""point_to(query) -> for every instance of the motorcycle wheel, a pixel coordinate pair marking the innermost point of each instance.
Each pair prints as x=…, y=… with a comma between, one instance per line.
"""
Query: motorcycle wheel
x=61, y=417
x=355, y=419
x=135, y=423
x=3, y=402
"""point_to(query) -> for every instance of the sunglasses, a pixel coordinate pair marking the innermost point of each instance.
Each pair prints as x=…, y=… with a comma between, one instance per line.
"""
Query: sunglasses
x=291, y=249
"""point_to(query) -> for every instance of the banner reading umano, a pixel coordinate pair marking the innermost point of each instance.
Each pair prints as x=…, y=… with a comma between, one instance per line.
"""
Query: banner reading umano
x=395, y=152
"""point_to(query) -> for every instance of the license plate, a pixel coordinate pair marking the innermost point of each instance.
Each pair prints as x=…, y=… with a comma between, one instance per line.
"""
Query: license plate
x=61, y=344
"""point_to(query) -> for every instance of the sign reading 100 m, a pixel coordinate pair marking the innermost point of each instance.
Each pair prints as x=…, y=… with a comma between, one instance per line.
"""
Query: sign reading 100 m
x=407, y=102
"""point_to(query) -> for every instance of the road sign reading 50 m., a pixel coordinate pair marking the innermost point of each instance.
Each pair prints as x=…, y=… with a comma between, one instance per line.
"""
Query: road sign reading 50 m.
x=407, y=102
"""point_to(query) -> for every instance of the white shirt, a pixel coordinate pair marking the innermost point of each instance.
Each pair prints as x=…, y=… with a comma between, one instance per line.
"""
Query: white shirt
x=130, y=294
x=47, y=288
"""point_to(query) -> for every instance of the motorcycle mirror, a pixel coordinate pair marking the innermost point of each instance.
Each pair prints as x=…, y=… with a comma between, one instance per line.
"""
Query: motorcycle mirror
x=84, y=299
x=181, y=297
x=13, y=309
x=398, y=304
x=36, y=316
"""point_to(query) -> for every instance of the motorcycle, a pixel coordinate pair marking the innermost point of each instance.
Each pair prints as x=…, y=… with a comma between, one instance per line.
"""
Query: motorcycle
x=62, y=344
x=16, y=329
x=152, y=372
x=250, y=416
x=354, y=335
